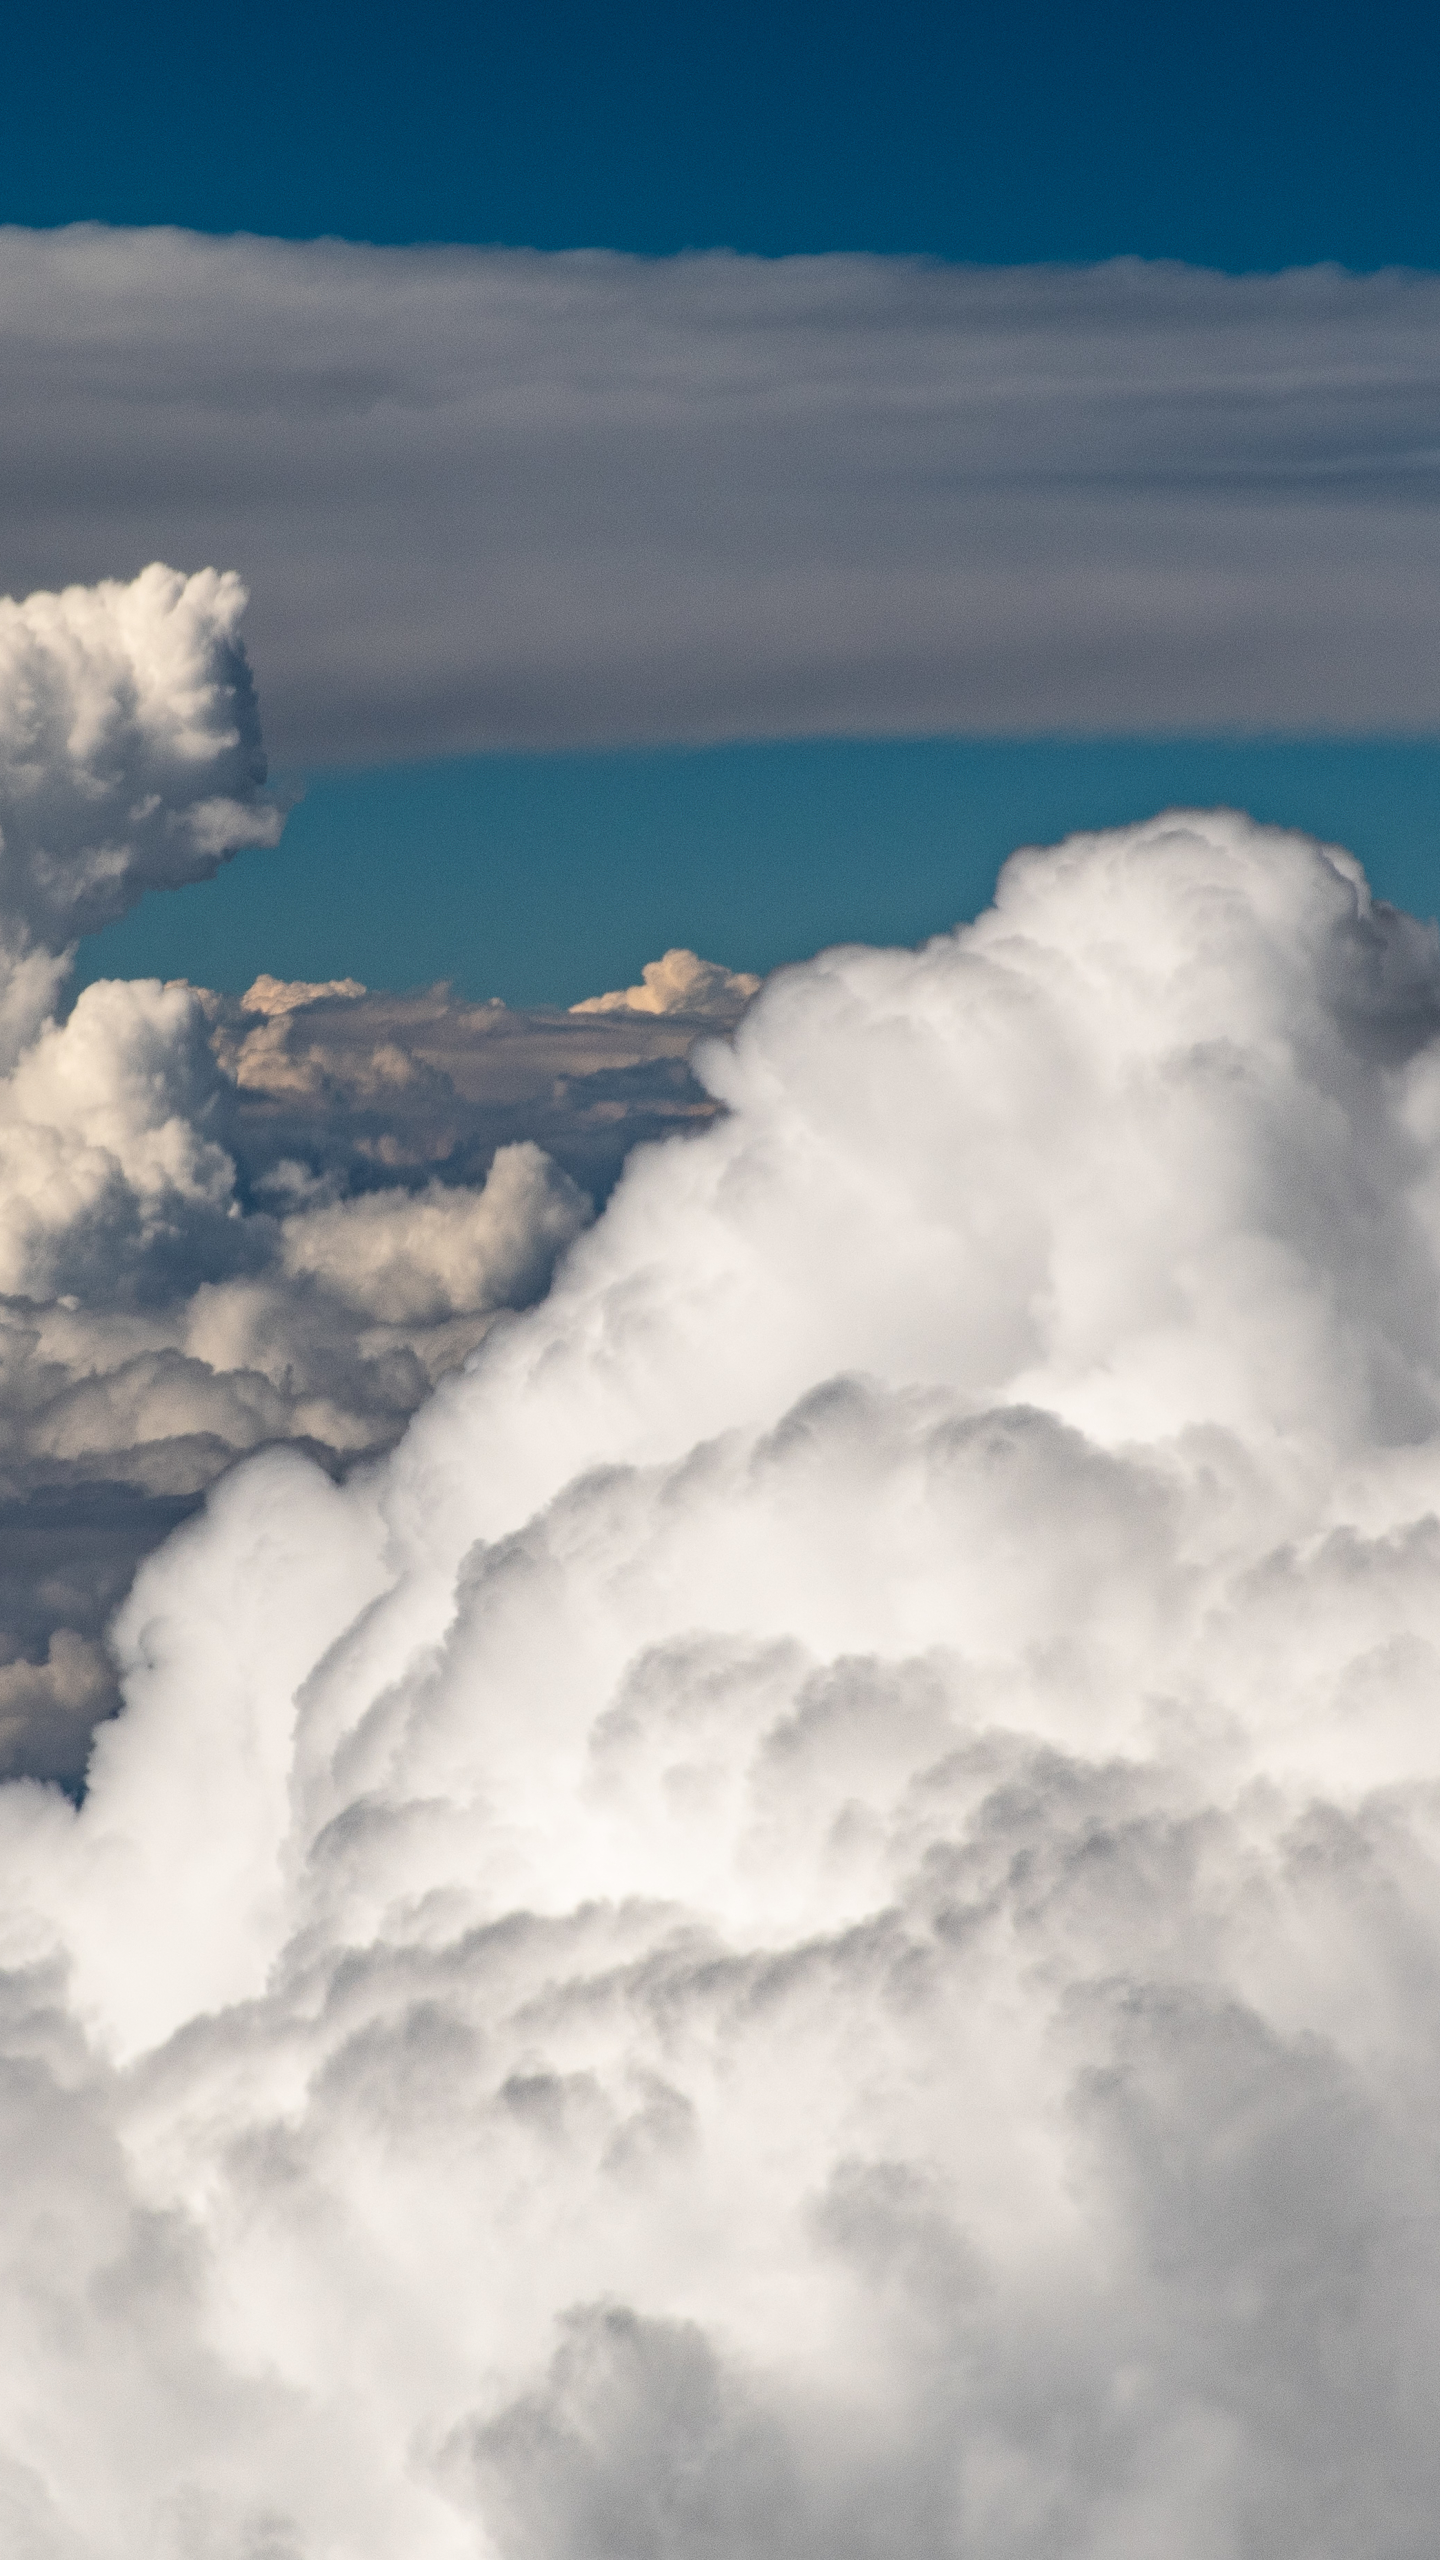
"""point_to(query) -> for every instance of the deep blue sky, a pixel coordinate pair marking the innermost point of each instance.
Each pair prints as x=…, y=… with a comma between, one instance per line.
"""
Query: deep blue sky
x=1236, y=136
x=544, y=878
x=1232, y=135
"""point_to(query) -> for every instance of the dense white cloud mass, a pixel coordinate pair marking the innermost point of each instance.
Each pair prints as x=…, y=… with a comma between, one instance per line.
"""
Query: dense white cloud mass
x=810, y=1924
x=491, y=497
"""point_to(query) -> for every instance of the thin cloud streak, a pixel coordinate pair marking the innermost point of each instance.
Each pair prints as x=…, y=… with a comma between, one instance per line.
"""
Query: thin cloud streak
x=504, y=499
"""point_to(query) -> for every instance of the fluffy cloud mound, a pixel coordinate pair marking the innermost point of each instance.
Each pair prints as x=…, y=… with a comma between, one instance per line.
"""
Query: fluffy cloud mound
x=153, y=1327
x=369, y=1084
x=680, y=983
x=938, y=498
x=168, y=1299
x=225, y=1223
x=416, y=1259
x=809, y=1925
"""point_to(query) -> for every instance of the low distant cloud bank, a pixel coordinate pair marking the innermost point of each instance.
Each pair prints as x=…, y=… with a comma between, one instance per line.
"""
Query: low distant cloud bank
x=229, y=1222
x=371, y=1084
x=494, y=498
x=808, y=1927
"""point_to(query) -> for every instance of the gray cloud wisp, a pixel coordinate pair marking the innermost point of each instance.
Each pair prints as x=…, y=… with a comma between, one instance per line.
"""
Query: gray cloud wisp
x=505, y=499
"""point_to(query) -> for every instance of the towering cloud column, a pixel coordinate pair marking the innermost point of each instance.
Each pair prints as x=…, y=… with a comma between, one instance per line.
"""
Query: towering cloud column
x=130, y=759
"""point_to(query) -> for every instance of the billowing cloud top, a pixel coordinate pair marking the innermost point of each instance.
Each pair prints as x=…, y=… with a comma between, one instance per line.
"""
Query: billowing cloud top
x=494, y=498
x=808, y=1929
x=130, y=754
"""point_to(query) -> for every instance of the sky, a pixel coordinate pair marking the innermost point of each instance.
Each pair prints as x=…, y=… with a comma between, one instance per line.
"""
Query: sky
x=989, y=139
x=1224, y=136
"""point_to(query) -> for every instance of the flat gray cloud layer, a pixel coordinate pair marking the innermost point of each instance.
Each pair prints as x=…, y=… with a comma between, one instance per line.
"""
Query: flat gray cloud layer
x=495, y=498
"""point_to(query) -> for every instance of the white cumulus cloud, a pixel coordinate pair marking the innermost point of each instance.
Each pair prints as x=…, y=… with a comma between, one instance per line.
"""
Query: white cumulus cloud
x=130, y=754
x=809, y=1924
x=169, y=1295
x=679, y=982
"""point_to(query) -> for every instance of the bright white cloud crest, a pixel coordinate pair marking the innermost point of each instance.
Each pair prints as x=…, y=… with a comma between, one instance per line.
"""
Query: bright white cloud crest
x=936, y=499
x=130, y=753
x=810, y=1925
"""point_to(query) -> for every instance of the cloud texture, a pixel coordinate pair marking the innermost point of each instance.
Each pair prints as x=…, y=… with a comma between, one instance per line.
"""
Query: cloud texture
x=679, y=983
x=371, y=1083
x=810, y=1924
x=155, y=1322
x=498, y=498
x=130, y=759
x=228, y=1223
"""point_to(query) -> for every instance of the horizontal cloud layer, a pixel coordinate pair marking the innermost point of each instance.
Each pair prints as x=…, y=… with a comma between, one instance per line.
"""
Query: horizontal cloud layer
x=370, y=1083
x=499, y=498
x=130, y=759
x=810, y=1925
x=224, y=1222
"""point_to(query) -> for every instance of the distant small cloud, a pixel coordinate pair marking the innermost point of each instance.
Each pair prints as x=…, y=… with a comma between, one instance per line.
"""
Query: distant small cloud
x=680, y=983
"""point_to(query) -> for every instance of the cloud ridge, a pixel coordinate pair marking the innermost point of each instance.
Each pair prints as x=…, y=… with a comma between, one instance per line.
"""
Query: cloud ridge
x=491, y=498
x=809, y=1923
